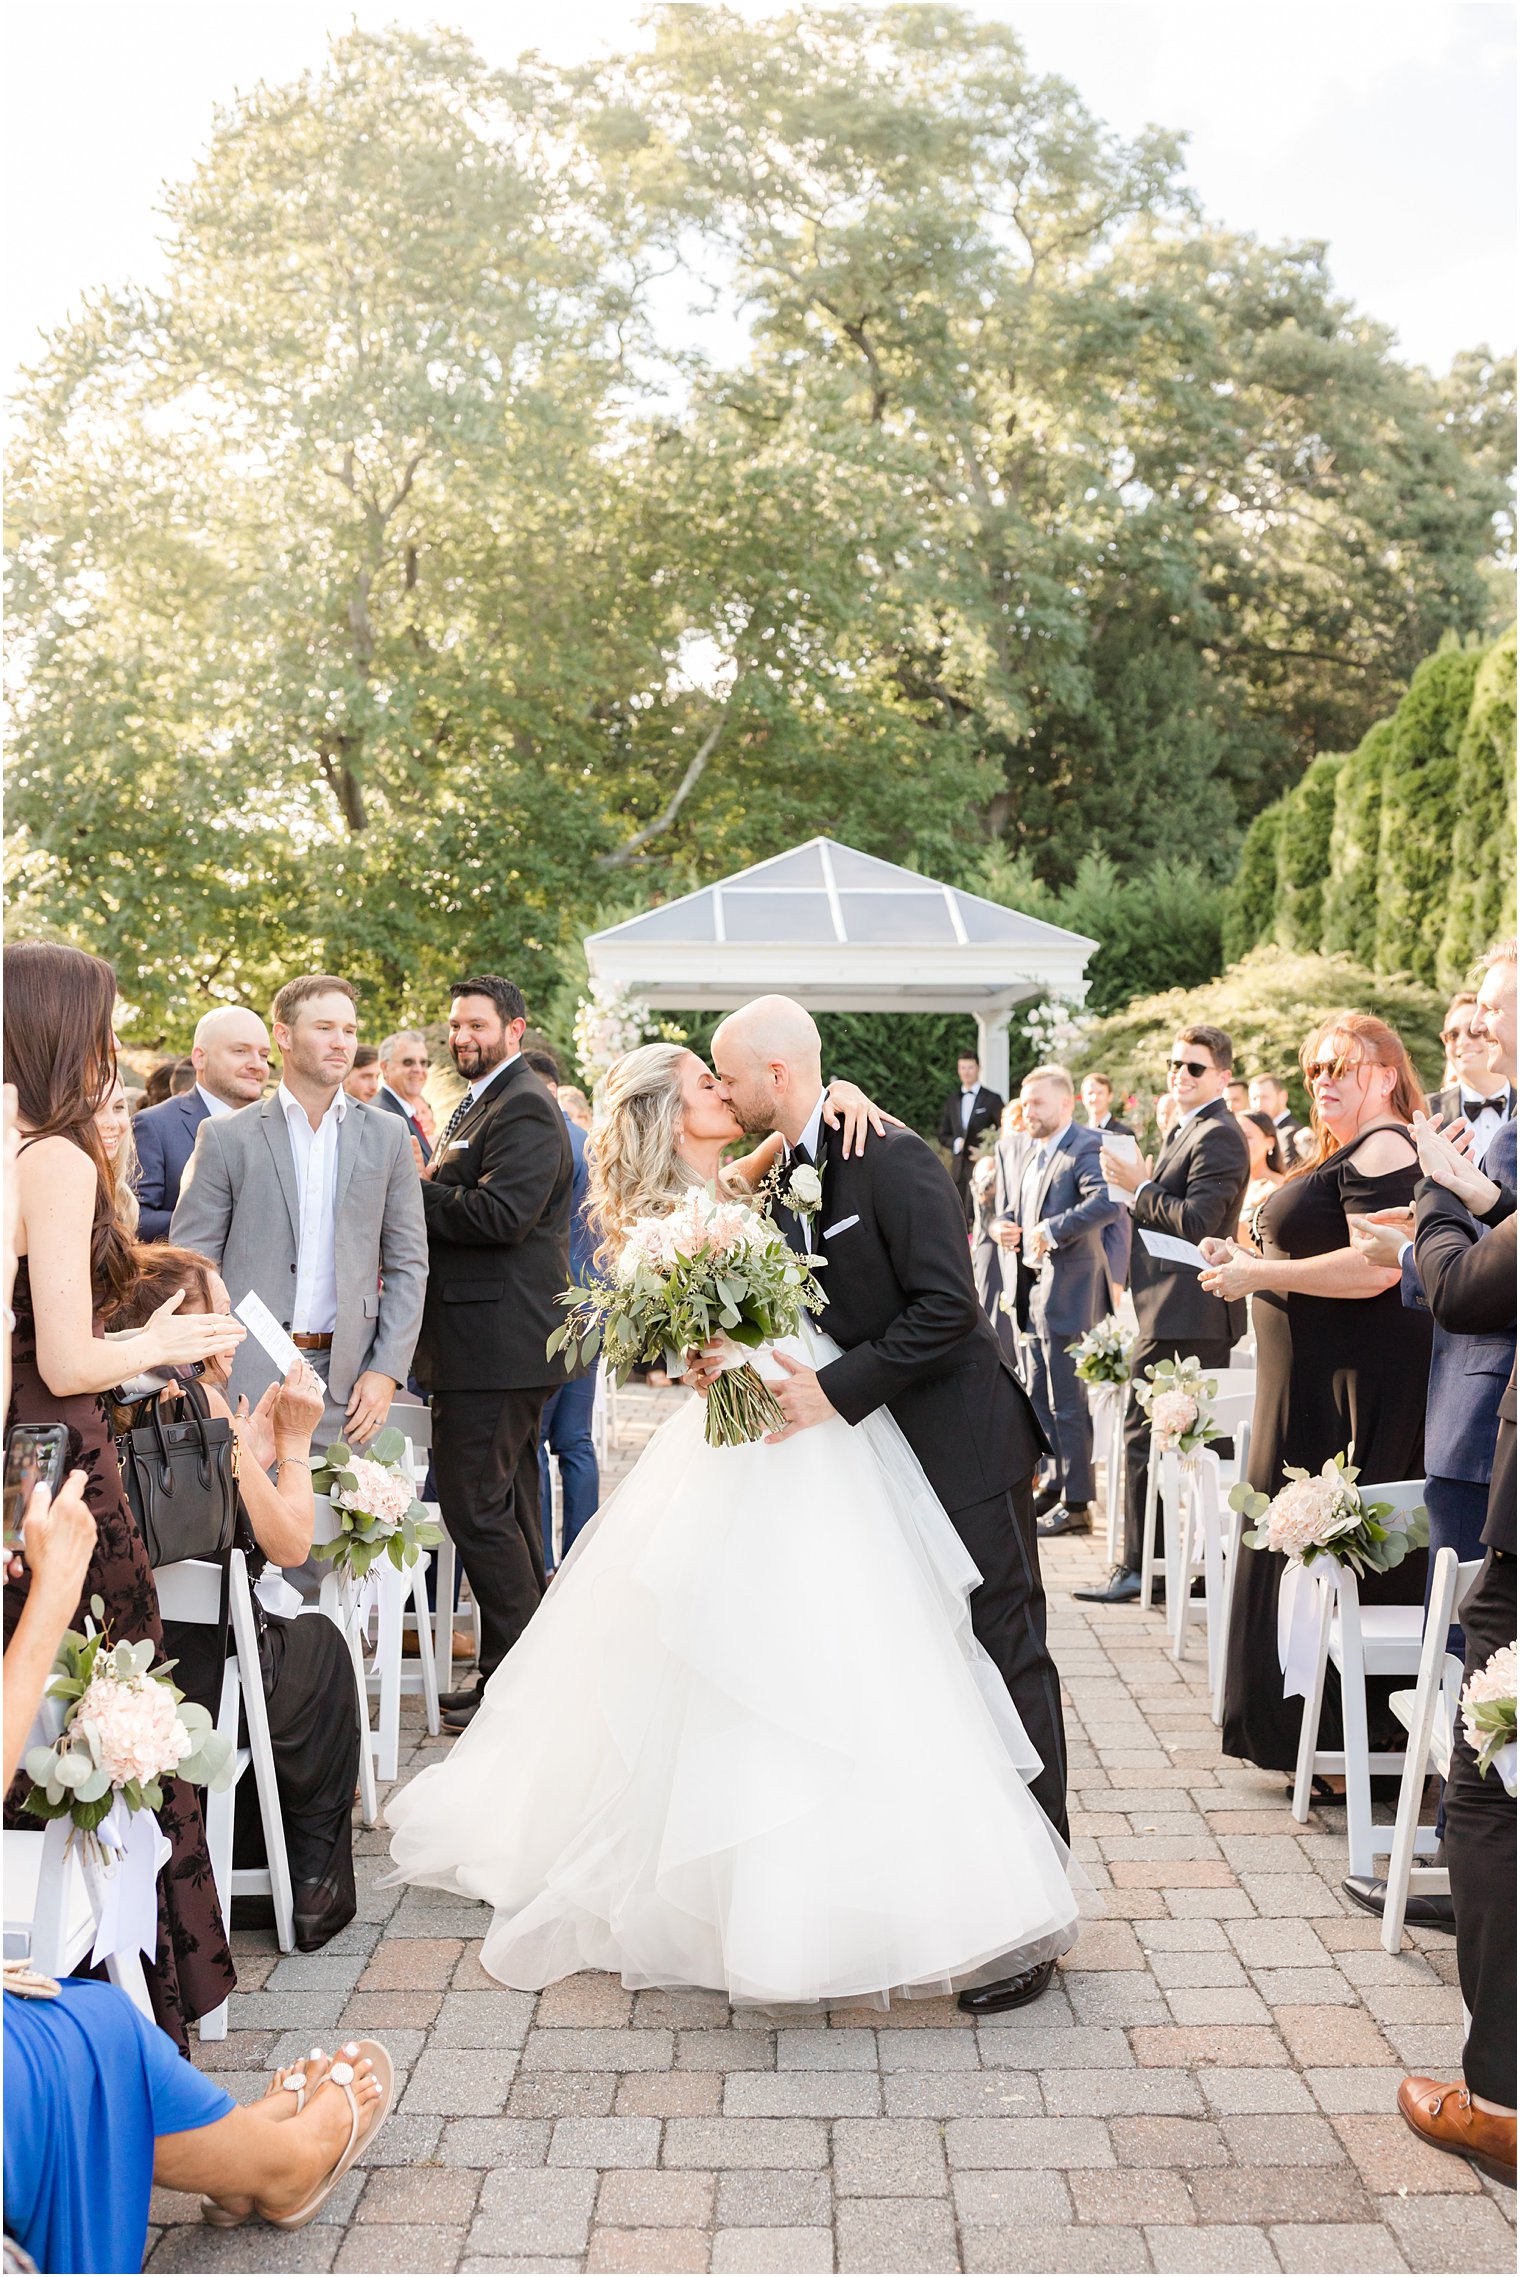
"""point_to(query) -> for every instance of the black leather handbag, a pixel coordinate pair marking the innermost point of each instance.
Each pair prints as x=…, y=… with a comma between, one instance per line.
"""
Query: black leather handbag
x=180, y=1473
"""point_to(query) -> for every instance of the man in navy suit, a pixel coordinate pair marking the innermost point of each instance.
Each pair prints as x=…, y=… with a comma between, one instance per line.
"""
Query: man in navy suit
x=231, y=1060
x=1057, y=1207
x=404, y=1066
x=565, y=1428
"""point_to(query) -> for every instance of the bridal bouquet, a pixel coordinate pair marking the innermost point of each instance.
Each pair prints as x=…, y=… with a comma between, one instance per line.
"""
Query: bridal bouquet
x=712, y=1269
x=1175, y=1396
x=378, y=1512
x=1103, y=1354
x=1488, y=1715
x=1325, y=1514
x=126, y=1729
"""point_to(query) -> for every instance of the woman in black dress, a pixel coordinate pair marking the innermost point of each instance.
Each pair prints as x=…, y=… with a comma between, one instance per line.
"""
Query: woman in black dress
x=1340, y=1363
x=76, y=1264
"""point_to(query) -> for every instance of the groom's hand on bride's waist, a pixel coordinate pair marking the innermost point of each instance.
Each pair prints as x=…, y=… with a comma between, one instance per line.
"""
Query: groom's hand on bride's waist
x=801, y=1399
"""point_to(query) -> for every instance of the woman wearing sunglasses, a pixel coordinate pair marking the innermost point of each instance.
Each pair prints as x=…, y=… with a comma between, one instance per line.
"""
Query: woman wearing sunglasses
x=1339, y=1361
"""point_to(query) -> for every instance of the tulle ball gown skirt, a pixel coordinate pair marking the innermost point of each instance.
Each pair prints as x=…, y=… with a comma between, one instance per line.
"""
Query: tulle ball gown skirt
x=748, y=1742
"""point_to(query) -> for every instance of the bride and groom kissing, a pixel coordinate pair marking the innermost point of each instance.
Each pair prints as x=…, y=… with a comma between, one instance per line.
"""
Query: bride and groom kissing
x=785, y=1724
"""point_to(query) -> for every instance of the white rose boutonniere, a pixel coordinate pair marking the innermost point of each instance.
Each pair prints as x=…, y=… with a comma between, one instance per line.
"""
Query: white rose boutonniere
x=802, y=1194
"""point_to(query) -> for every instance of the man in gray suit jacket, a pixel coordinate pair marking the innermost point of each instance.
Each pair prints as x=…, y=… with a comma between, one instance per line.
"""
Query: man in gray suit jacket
x=312, y=1200
x=1055, y=1207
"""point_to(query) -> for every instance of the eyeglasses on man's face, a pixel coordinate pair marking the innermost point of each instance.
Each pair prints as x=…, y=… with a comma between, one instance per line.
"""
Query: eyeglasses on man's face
x=1195, y=1067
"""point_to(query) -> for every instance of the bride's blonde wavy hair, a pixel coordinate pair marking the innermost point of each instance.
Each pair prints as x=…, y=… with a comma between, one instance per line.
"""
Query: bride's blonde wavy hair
x=636, y=1171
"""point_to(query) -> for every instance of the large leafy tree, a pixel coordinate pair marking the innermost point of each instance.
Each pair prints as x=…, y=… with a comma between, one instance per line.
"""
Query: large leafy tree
x=394, y=588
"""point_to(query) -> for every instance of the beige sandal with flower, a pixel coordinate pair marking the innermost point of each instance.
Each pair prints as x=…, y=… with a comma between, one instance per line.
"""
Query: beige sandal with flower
x=362, y=2127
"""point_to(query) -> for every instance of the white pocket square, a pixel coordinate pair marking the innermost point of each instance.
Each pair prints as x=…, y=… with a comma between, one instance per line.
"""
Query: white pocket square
x=843, y=1226
x=456, y=1144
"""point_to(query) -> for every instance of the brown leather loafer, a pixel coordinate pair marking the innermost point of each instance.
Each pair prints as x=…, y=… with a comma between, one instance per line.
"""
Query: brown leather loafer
x=1443, y=2114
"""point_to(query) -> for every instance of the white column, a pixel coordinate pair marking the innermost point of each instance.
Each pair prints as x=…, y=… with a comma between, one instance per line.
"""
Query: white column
x=992, y=1047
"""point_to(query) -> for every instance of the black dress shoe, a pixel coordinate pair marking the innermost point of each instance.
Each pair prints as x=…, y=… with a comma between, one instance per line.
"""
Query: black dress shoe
x=1008, y=1992
x=1121, y=1588
x=1046, y=1498
x=1066, y=1518
x=321, y=1910
x=462, y=1698
x=460, y=1719
x=1421, y=1910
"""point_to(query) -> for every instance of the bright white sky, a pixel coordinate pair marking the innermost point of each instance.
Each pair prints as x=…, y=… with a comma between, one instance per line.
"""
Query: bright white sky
x=1386, y=127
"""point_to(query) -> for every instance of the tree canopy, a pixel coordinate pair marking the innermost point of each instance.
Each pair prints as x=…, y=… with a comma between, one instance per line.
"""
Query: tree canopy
x=402, y=583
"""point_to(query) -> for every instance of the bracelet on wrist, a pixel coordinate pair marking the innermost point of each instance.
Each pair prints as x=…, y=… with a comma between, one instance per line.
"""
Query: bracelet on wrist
x=282, y=1462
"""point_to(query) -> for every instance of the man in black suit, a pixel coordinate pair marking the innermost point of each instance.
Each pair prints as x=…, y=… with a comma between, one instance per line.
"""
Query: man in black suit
x=230, y=1064
x=496, y=1197
x=1269, y=1096
x=902, y=1303
x=1194, y=1190
x=1469, y=1281
x=403, y=1075
x=1480, y=1093
x=1098, y=1106
x=968, y=1113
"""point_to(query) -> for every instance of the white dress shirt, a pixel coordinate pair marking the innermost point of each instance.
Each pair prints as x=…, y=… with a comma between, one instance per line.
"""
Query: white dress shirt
x=214, y=1106
x=484, y=1082
x=315, y=1311
x=812, y=1135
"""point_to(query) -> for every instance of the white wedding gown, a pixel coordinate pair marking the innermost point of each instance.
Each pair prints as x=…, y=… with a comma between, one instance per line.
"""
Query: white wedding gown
x=749, y=1742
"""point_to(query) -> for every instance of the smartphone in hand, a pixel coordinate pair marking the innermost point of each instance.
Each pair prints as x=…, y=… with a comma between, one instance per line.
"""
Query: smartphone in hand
x=36, y=1454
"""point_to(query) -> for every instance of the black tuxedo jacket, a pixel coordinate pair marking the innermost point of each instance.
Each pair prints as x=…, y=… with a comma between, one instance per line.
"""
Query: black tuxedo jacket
x=1116, y=1124
x=902, y=1302
x=1201, y=1177
x=1469, y=1282
x=986, y=1113
x=387, y=1099
x=498, y=1218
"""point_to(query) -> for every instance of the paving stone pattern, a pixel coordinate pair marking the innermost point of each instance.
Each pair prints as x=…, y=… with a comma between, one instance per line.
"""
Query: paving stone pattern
x=1208, y=2086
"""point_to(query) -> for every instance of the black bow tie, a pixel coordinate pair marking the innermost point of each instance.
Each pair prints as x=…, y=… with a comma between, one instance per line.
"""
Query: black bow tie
x=1500, y=1106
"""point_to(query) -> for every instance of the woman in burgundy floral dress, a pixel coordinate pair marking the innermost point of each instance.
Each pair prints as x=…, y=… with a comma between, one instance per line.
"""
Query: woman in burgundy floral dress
x=76, y=1263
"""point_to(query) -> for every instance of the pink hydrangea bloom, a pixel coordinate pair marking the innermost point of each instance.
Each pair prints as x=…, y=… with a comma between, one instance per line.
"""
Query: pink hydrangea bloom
x=379, y=1492
x=138, y=1722
x=1308, y=1513
x=1495, y=1681
x=1173, y=1414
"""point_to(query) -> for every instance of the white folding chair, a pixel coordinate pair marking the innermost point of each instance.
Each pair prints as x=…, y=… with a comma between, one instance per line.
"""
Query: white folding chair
x=346, y=1602
x=1359, y=1641
x=1106, y=1405
x=1429, y=1714
x=340, y=1601
x=1200, y=1542
x=1230, y=1384
x=53, y=1896
x=192, y=1592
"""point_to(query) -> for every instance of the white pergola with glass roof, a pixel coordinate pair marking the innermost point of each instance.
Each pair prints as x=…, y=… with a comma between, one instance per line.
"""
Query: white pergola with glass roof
x=842, y=931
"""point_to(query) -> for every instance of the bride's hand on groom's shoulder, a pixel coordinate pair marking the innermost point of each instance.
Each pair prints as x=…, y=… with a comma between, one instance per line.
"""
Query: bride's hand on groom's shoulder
x=801, y=1399
x=846, y=1105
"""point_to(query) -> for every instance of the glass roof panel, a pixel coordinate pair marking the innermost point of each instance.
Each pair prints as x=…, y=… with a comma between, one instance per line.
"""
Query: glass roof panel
x=679, y=921
x=752, y=916
x=803, y=866
x=985, y=922
x=856, y=869
x=896, y=917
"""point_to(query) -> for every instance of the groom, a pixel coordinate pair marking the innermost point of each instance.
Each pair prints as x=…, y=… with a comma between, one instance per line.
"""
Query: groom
x=902, y=1302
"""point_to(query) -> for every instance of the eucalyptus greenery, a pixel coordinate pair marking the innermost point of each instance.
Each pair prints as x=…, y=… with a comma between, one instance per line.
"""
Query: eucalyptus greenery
x=366, y=1535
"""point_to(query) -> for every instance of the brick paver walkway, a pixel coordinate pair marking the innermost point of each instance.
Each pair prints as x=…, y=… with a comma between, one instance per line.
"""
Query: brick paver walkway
x=1210, y=2087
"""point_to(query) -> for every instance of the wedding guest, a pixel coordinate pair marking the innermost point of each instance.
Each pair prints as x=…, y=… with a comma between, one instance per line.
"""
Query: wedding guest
x=575, y=1106
x=564, y=1431
x=1477, y=1091
x=1469, y=1279
x=1051, y=1233
x=986, y=1255
x=305, y=1664
x=363, y=1079
x=1165, y=1116
x=1269, y=1096
x=1191, y=1191
x=77, y=1264
x=182, y=1079
x=1339, y=1362
x=1237, y=1096
x=497, y=1198
x=113, y=1120
x=230, y=1065
x=312, y=1202
x=968, y=1113
x=156, y=1089
x=1266, y=1168
x=404, y=1070
x=1098, y=1104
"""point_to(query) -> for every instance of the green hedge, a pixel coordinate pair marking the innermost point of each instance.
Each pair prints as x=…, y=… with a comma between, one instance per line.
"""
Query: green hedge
x=1156, y=925
x=1419, y=814
x=1303, y=854
x=1480, y=899
x=1251, y=897
x=1267, y=1004
x=1351, y=890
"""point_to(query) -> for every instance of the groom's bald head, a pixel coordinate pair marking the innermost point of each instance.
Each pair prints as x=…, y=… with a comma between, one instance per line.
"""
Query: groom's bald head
x=769, y=1058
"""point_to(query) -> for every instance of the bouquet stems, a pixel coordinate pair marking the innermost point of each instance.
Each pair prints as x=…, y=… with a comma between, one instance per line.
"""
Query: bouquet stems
x=741, y=1407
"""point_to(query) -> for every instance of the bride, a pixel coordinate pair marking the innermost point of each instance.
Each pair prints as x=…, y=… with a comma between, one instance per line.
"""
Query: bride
x=748, y=1740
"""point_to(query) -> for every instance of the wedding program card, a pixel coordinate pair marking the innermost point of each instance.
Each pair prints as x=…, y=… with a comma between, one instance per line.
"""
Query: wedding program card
x=1128, y=1150
x=1171, y=1251
x=262, y=1326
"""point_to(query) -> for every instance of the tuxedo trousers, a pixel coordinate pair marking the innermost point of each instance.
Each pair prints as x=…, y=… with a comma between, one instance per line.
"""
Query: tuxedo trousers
x=1210, y=1352
x=485, y=1462
x=1008, y=1621
x=1480, y=1856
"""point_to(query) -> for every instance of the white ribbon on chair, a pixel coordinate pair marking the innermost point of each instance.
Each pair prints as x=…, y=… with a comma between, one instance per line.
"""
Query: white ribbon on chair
x=125, y=1884
x=1298, y=1611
